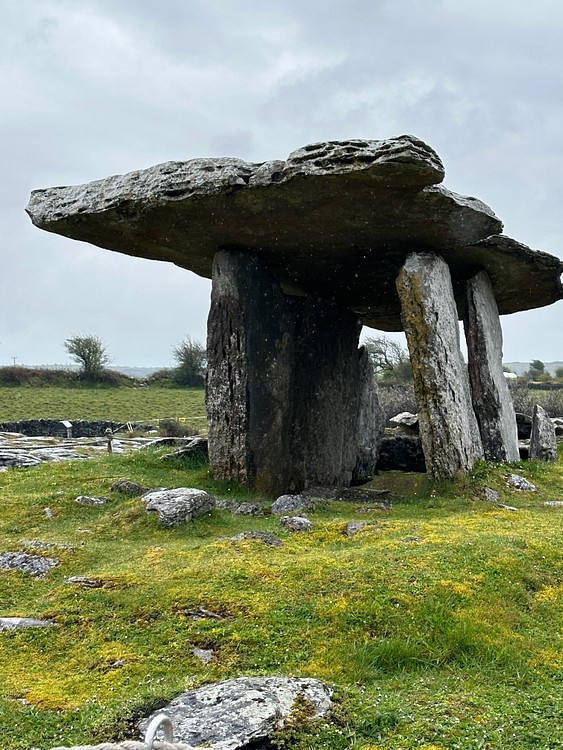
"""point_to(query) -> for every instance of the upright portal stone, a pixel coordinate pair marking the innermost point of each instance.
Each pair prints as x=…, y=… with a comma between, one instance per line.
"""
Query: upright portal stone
x=285, y=387
x=249, y=377
x=543, y=442
x=489, y=390
x=448, y=428
x=371, y=423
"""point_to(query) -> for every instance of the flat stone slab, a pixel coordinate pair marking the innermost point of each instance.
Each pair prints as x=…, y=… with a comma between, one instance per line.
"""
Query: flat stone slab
x=235, y=713
x=35, y=565
x=335, y=220
x=21, y=623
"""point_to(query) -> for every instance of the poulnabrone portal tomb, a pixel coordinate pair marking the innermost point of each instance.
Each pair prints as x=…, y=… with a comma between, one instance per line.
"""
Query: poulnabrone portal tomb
x=301, y=253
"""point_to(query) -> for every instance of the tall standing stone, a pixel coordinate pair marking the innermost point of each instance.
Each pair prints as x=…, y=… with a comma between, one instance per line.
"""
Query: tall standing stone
x=371, y=423
x=543, y=441
x=249, y=377
x=448, y=427
x=491, y=398
x=285, y=387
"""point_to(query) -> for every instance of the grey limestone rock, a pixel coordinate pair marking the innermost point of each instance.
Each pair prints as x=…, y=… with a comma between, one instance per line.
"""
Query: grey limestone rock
x=354, y=527
x=91, y=500
x=366, y=495
x=288, y=503
x=178, y=505
x=35, y=565
x=296, y=523
x=406, y=421
x=239, y=712
x=543, y=442
x=491, y=398
x=128, y=487
x=205, y=655
x=307, y=217
x=84, y=582
x=520, y=483
x=22, y=623
x=490, y=495
x=371, y=423
x=248, y=509
x=261, y=536
x=448, y=427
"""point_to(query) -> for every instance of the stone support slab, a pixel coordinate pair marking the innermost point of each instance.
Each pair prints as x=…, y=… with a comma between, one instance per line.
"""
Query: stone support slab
x=283, y=389
x=491, y=398
x=448, y=427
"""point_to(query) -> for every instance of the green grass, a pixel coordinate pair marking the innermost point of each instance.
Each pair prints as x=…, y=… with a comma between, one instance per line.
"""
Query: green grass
x=440, y=624
x=120, y=404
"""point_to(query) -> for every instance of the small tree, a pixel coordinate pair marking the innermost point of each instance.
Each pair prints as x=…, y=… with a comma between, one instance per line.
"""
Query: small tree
x=390, y=361
x=537, y=371
x=90, y=353
x=191, y=357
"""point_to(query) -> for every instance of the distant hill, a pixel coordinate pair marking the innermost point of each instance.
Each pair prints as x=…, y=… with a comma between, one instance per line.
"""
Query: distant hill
x=521, y=367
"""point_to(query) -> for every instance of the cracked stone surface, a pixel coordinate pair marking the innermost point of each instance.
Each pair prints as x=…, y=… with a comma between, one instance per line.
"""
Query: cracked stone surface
x=335, y=220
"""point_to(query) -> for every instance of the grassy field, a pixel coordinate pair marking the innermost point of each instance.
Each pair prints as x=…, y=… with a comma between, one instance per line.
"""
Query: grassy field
x=117, y=404
x=440, y=624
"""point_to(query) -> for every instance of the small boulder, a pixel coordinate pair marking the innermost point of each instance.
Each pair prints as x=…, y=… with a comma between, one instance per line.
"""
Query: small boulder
x=248, y=509
x=288, y=503
x=240, y=712
x=490, y=495
x=354, y=527
x=35, y=565
x=21, y=623
x=296, y=523
x=406, y=421
x=179, y=505
x=90, y=500
x=128, y=487
x=519, y=483
x=205, y=655
x=543, y=443
x=261, y=536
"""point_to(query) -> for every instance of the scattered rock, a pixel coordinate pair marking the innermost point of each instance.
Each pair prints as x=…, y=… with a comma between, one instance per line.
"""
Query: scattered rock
x=287, y=503
x=296, y=523
x=49, y=515
x=204, y=655
x=354, y=527
x=196, y=448
x=543, y=443
x=229, y=505
x=85, y=582
x=519, y=483
x=91, y=500
x=35, y=565
x=506, y=507
x=128, y=487
x=201, y=613
x=20, y=623
x=406, y=421
x=261, y=536
x=412, y=539
x=558, y=424
x=240, y=712
x=249, y=509
x=34, y=544
x=490, y=495
x=18, y=459
x=554, y=503
x=179, y=505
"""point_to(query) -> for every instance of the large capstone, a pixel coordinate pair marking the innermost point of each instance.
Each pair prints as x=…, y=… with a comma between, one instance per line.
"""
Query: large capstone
x=336, y=220
x=491, y=398
x=448, y=427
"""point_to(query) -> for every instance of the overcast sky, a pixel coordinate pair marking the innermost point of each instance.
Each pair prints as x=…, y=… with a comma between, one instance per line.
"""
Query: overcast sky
x=91, y=88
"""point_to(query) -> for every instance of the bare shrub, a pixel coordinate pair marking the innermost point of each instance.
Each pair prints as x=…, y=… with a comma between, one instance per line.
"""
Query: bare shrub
x=173, y=428
x=525, y=398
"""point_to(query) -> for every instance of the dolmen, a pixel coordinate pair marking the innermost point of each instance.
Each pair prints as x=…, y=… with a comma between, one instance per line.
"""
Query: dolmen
x=301, y=254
